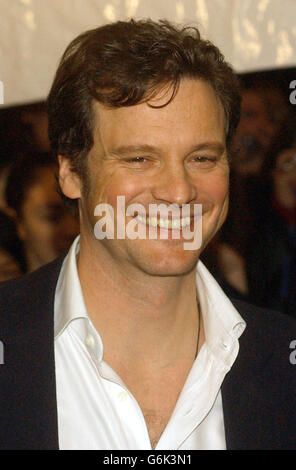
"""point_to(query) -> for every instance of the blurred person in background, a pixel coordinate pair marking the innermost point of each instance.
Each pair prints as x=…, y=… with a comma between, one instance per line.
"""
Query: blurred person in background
x=264, y=110
x=228, y=267
x=23, y=129
x=11, y=255
x=35, y=120
x=271, y=259
x=45, y=226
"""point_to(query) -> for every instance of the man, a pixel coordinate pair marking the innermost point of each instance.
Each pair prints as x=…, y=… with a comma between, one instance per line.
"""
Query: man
x=129, y=343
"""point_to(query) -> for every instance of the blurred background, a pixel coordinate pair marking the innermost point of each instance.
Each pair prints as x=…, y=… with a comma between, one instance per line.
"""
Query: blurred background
x=254, y=256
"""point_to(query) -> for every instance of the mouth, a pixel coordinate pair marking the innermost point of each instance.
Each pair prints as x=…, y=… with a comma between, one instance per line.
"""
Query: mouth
x=165, y=223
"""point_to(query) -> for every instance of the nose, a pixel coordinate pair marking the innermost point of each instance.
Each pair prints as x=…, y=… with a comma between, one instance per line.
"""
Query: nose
x=174, y=185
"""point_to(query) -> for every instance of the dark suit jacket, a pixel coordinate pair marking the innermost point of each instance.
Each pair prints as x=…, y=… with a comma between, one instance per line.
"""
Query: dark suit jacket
x=259, y=393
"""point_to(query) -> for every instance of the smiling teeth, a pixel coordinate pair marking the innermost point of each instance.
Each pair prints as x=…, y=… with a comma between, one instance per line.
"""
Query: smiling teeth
x=165, y=223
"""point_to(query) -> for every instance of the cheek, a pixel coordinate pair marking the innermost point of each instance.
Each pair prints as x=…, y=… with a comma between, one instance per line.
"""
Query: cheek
x=222, y=189
x=217, y=189
x=118, y=183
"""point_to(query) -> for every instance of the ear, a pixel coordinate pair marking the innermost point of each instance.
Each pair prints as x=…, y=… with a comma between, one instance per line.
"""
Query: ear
x=69, y=180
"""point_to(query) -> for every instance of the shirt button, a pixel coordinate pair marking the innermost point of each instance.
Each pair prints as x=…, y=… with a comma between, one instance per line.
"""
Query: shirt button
x=225, y=346
x=89, y=341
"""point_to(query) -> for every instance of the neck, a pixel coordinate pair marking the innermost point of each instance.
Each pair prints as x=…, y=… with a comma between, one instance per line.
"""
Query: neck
x=138, y=316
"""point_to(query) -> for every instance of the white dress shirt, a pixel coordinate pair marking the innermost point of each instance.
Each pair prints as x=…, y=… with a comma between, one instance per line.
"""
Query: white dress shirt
x=97, y=411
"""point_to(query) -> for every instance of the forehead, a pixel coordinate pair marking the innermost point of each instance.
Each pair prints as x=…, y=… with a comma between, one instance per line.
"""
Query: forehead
x=195, y=113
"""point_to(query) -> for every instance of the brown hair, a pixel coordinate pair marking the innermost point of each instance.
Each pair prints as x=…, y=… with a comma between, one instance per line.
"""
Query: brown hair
x=125, y=63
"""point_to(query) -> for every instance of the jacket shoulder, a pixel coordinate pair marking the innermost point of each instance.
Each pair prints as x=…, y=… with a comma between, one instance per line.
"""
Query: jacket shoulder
x=265, y=321
x=28, y=294
x=268, y=333
x=28, y=412
x=259, y=391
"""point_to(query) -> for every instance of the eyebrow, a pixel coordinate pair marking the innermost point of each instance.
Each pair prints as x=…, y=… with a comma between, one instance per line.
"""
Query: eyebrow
x=126, y=149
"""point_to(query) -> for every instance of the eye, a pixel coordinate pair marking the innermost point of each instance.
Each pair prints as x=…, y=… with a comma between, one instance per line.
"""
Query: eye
x=201, y=158
x=204, y=159
x=137, y=160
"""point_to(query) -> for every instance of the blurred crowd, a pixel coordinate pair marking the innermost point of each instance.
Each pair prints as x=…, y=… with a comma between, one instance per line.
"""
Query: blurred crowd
x=253, y=257
x=35, y=225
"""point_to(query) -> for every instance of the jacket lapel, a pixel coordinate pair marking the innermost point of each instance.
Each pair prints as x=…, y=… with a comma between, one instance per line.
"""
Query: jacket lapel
x=258, y=394
x=28, y=373
x=249, y=401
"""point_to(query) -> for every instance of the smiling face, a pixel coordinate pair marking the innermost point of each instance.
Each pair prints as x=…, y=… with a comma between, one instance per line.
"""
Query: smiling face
x=170, y=155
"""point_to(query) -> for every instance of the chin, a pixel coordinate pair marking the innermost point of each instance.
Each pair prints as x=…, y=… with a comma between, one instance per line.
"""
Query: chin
x=168, y=265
